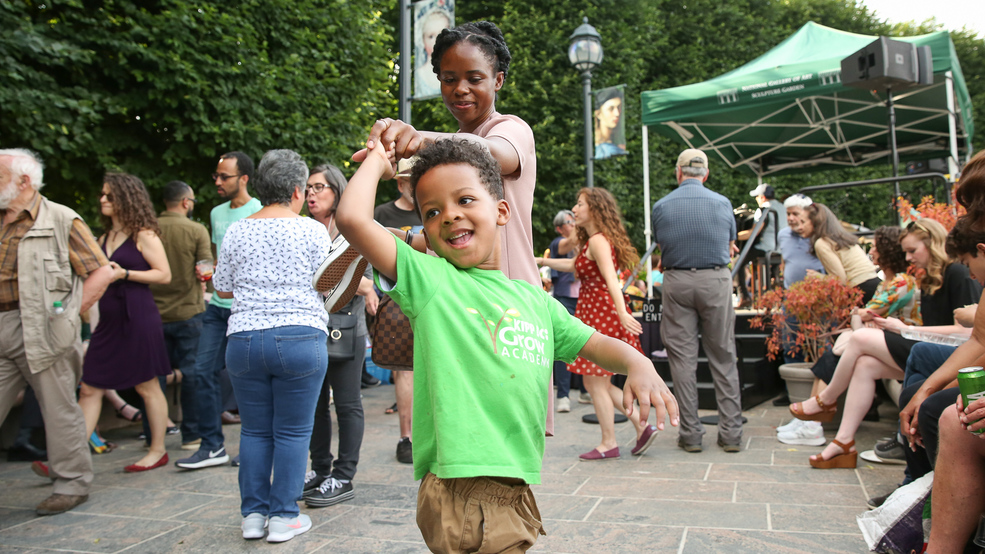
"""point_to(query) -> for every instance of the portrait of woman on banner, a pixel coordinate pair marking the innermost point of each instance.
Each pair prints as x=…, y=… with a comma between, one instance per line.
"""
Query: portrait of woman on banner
x=610, y=130
x=430, y=18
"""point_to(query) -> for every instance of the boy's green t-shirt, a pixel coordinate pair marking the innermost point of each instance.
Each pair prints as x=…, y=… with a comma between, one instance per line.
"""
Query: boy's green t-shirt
x=222, y=217
x=484, y=348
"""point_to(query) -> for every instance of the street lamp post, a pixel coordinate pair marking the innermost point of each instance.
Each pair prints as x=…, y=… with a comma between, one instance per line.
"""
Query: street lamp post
x=585, y=54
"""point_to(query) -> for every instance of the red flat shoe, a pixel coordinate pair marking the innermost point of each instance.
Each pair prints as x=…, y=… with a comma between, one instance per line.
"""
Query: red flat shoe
x=134, y=468
x=41, y=470
x=594, y=454
x=645, y=440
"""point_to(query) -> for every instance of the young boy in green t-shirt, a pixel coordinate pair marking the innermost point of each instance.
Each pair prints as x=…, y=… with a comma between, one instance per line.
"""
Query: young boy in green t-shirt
x=483, y=351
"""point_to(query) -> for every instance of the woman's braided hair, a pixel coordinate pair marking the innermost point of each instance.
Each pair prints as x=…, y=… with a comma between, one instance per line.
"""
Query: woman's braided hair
x=484, y=34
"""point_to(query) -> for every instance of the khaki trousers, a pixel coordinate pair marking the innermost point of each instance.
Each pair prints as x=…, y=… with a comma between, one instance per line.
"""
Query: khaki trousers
x=68, y=448
x=477, y=514
x=701, y=301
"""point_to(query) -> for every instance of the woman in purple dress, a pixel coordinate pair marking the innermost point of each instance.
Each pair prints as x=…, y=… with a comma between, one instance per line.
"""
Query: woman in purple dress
x=127, y=348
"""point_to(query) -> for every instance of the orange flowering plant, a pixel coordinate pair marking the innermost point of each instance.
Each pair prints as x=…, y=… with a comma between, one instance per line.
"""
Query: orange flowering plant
x=945, y=214
x=805, y=315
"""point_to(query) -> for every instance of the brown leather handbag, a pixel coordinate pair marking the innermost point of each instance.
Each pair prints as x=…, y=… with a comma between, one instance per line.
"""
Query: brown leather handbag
x=393, y=339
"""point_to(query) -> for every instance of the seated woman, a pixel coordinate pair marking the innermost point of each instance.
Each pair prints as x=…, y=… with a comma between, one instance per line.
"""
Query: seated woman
x=898, y=295
x=838, y=250
x=874, y=354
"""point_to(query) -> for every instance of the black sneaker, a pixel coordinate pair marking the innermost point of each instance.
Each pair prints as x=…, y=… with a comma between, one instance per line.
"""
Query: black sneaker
x=688, y=447
x=330, y=492
x=204, y=458
x=890, y=451
x=405, y=451
x=311, y=483
x=235, y=462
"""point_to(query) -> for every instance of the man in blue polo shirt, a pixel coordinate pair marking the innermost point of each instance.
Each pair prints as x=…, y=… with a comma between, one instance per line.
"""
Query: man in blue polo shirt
x=696, y=231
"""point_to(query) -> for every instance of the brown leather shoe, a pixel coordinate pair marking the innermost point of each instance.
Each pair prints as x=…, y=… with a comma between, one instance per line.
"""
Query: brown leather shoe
x=229, y=418
x=58, y=503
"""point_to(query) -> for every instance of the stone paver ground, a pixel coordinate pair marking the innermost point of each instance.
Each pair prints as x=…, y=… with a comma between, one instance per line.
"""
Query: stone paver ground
x=764, y=499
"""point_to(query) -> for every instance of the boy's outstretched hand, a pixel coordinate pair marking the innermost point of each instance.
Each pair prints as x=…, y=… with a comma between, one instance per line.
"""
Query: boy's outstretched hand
x=642, y=382
x=645, y=385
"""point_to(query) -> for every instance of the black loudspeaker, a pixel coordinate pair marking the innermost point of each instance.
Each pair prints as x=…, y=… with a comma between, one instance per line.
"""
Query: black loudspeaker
x=888, y=63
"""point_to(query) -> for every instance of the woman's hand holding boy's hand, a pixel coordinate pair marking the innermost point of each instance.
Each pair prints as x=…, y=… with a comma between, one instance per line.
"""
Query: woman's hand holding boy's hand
x=644, y=385
x=403, y=139
x=388, y=166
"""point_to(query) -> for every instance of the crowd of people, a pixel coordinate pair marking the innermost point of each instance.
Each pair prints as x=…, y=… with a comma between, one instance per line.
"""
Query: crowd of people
x=460, y=229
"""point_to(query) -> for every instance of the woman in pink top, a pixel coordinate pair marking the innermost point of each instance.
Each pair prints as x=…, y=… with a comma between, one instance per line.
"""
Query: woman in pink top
x=471, y=62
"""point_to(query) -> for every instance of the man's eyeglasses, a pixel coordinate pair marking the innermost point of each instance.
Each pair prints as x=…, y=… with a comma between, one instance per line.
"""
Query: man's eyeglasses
x=192, y=200
x=223, y=177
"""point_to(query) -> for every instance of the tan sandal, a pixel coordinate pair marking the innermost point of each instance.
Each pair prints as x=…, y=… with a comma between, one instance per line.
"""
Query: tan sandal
x=826, y=414
x=846, y=460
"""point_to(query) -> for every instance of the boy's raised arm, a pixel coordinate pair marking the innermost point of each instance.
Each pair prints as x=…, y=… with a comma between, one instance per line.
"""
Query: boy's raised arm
x=355, y=214
x=642, y=382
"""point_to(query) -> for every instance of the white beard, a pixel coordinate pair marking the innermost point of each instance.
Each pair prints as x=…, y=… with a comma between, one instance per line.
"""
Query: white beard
x=7, y=195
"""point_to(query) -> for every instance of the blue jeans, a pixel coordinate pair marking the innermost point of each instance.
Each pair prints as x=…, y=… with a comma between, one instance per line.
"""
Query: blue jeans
x=209, y=361
x=923, y=361
x=181, y=340
x=277, y=374
x=562, y=377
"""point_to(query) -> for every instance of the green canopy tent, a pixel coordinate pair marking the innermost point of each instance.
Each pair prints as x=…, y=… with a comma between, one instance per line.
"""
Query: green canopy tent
x=788, y=111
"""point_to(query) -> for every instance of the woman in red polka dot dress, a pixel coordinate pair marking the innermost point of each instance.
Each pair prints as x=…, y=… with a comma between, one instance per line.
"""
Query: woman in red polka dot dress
x=602, y=306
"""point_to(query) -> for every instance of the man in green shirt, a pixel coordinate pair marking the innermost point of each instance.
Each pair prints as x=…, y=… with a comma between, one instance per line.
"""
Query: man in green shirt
x=181, y=301
x=231, y=177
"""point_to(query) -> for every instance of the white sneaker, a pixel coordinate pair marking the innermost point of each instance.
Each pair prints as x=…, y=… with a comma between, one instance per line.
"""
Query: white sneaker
x=790, y=427
x=584, y=398
x=284, y=529
x=253, y=526
x=809, y=434
x=563, y=405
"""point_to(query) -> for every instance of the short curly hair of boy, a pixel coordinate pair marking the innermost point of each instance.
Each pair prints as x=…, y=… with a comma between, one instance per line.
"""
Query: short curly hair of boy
x=458, y=151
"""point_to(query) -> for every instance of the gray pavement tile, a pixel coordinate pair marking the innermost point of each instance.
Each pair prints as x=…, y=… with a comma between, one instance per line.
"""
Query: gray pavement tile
x=369, y=522
x=702, y=541
x=10, y=517
x=779, y=474
x=155, y=504
x=83, y=532
x=559, y=483
x=681, y=513
x=221, y=480
x=363, y=545
x=815, y=519
x=605, y=538
x=385, y=496
x=800, y=493
x=563, y=506
x=634, y=487
x=877, y=476
x=711, y=454
x=388, y=473
x=24, y=492
x=212, y=539
x=648, y=465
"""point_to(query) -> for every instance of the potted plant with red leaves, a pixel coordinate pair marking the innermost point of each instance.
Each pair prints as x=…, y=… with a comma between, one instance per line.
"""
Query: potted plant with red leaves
x=801, y=320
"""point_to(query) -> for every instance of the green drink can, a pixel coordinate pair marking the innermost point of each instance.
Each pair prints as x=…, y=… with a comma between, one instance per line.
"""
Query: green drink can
x=971, y=381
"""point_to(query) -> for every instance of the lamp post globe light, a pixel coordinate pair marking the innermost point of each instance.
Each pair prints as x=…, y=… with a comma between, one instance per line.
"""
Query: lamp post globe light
x=585, y=54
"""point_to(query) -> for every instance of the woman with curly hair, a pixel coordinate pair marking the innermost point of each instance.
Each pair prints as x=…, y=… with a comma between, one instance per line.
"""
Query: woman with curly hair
x=898, y=295
x=127, y=348
x=880, y=353
x=602, y=305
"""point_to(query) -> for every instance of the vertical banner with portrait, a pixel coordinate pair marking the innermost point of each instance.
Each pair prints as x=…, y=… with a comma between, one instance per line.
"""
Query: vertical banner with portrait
x=430, y=18
x=610, y=126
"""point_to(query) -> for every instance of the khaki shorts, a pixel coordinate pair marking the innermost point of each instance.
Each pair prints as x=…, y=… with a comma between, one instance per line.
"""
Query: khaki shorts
x=477, y=514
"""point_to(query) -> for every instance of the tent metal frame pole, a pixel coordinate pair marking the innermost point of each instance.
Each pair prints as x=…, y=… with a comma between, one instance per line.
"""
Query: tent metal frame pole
x=952, y=127
x=892, y=148
x=648, y=231
x=404, y=102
